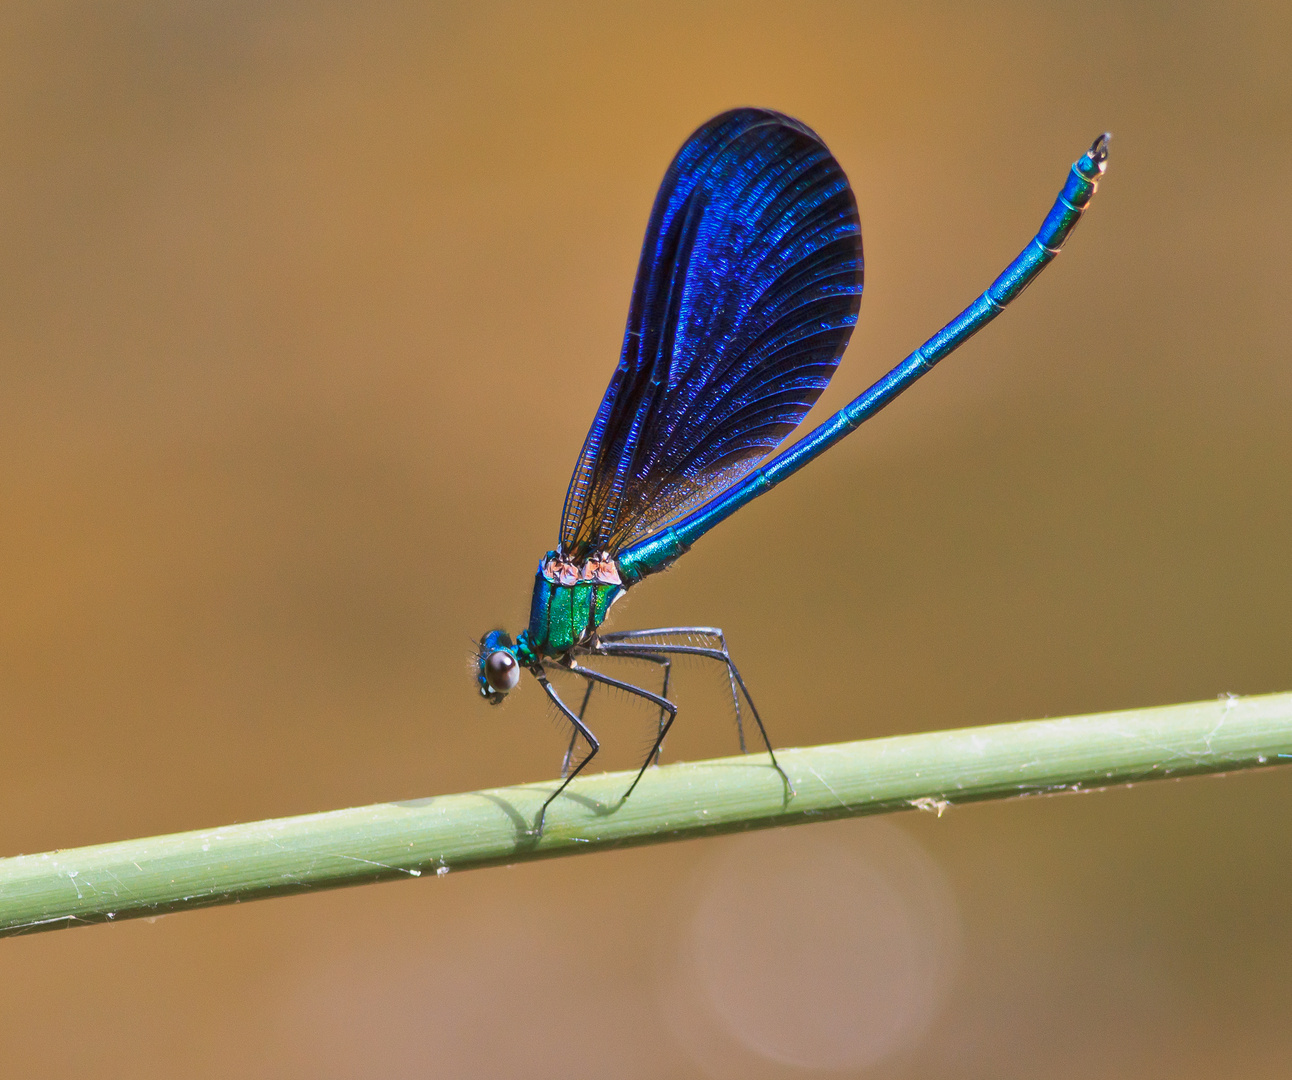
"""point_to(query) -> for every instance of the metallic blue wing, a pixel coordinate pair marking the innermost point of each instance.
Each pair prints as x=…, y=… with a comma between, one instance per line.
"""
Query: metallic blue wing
x=747, y=292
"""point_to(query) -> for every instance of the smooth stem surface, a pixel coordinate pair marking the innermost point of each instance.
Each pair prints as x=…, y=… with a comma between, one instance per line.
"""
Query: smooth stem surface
x=457, y=832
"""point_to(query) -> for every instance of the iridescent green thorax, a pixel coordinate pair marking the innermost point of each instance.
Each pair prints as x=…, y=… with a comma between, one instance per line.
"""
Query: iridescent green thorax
x=571, y=599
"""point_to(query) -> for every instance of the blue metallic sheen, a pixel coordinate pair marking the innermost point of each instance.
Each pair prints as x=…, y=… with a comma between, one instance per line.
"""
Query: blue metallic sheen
x=746, y=295
x=747, y=292
x=658, y=551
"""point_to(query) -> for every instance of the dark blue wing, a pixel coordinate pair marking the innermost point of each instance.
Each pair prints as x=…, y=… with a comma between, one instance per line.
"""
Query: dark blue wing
x=746, y=295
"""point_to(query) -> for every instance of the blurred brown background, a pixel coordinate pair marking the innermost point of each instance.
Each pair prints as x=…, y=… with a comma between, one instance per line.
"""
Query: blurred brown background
x=304, y=312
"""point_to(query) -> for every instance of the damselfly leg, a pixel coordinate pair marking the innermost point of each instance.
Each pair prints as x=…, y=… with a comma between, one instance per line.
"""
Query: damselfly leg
x=574, y=732
x=665, y=664
x=621, y=640
x=626, y=641
x=580, y=728
x=641, y=644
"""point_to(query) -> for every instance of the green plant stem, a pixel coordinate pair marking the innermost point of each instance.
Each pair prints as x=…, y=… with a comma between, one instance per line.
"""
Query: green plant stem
x=433, y=836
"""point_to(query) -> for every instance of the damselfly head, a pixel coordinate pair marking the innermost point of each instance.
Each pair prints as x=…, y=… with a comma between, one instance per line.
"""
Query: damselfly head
x=498, y=670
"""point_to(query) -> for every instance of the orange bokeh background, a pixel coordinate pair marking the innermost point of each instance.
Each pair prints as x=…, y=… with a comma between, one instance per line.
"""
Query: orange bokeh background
x=304, y=312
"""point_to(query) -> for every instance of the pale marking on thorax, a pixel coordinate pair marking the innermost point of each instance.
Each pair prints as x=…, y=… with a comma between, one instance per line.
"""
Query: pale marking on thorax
x=600, y=568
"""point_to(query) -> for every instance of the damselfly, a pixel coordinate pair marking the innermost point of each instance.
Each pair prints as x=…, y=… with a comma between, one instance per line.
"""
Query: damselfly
x=747, y=292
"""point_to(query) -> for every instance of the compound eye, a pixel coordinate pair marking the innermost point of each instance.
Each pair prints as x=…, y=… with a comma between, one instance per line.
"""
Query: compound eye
x=501, y=671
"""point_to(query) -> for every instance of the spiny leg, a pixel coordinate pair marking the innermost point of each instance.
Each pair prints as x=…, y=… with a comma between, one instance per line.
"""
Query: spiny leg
x=613, y=647
x=579, y=729
x=663, y=702
x=574, y=734
x=667, y=665
x=626, y=636
x=587, y=696
x=662, y=661
x=619, y=644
